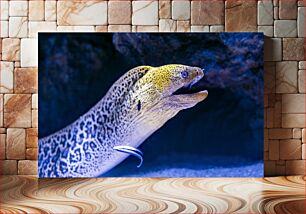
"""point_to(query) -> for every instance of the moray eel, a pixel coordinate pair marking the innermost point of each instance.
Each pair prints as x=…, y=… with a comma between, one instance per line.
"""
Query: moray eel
x=136, y=105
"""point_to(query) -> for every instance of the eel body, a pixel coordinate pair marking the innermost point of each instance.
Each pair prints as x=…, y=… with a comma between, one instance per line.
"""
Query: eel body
x=136, y=105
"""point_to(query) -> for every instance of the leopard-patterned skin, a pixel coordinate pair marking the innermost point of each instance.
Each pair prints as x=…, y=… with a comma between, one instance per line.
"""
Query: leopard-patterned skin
x=137, y=104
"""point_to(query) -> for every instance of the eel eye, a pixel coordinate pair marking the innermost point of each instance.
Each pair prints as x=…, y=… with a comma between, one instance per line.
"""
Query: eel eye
x=184, y=74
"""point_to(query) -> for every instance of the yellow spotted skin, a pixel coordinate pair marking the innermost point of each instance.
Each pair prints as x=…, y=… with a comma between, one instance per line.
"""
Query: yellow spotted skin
x=165, y=77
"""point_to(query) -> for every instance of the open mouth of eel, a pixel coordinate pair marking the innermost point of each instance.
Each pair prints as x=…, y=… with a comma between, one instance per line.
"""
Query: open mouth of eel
x=196, y=86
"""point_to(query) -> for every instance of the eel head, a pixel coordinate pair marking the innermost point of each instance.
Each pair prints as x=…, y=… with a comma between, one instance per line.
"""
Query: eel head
x=169, y=86
x=161, y=93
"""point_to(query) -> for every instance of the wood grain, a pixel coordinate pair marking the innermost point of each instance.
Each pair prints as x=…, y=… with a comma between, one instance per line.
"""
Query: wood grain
x=153, y=195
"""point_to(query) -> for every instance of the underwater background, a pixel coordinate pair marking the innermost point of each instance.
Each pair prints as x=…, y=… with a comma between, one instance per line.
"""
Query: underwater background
x=219, y=137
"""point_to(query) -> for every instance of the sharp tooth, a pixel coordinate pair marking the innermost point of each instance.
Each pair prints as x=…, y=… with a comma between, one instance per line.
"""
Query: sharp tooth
x=193, y=82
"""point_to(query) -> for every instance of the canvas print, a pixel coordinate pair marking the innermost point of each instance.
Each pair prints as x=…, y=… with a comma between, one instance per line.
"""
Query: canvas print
x=150, y=105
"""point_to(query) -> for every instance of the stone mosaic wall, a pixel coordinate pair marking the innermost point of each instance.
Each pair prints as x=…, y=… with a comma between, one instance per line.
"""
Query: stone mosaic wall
x=282, y=21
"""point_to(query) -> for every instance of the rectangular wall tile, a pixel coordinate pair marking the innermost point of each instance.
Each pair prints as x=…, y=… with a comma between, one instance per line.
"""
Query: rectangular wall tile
x=216, y=28
x=301, y=22
x=32, y=138
x=180, y=10
x=35, y=100
x=91, y=12
x=287, y=9
x=29, y=53
x=200, y=28
x=167, y=25
x=241, y=15
x=34, y=118
x=286, y=77
x=27, y=167
x=145, y=13
x=302, y=65
x=147, y=28
x=285, y=28
x=183, y=26
x=293, y=120
x=8, y=167
x=290, y=149
x=4, y=29
x=26, y=80
x=17, y=110
x=301, y=83
x=36, y=10
x=295, y=167
x=4, y=10
x=165, y=9
x=297, y=133
x=6, y=77
x=207, y=12
x=119, y=12
x=11, y=49
x=15, y=143
x=293, y=49
x=265, y=12
x=280, y=133
x=18, y=8
x=18, y=27
x=50, y=10
x=293, y=103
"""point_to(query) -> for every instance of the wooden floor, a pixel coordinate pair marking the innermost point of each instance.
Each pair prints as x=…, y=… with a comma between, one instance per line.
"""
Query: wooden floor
x=153, y=195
